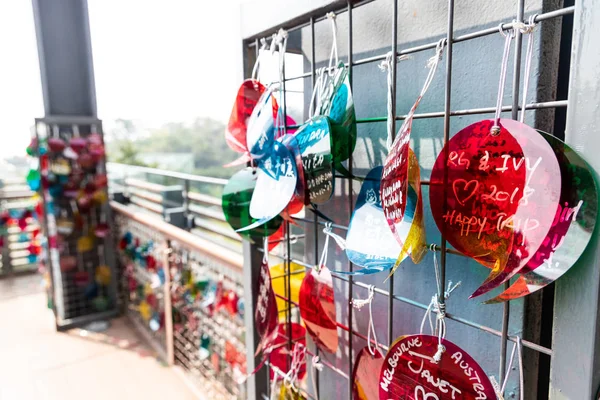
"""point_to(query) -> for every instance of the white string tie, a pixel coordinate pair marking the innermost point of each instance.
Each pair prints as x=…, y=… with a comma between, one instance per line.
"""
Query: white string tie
x=495, y=131
x=317, y=94
x=528, y=29
x=316, y=365
x=517, y=349
x=339, y=240
x=334, y=51
x=387, y=65
x=256, y=69
x=359, y=304
x=266, y=250
x=437, y=305
x=298, y=358
x=281, y=41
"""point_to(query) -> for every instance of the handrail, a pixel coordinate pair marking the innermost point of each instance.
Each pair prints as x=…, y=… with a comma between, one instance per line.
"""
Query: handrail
x=171, y=174
x=172, y=232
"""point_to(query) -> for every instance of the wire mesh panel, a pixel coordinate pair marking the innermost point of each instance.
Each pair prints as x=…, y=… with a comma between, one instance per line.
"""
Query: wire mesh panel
x=209, y=327
x=142, y=288
x=77, y=217
x=463, y=92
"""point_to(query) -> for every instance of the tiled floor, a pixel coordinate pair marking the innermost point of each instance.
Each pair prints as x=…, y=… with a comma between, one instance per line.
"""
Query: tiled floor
x=38, y=363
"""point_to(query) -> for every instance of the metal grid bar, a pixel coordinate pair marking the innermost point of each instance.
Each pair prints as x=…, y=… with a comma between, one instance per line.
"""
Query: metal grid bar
x=445, y=114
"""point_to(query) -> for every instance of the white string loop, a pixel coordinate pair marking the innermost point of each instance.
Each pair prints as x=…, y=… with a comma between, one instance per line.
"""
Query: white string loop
x=334, y=51
x=339, y=240
x=256, y=69
x=495, y=131
x=316, y=365
x=517, y=348
x=266, y=250
x=437, y=305
x=432, y=64
x=528, y=29
x=317, y=94
x=359, y=304
x=387, y=65
x=281, y=41
x=298, y=358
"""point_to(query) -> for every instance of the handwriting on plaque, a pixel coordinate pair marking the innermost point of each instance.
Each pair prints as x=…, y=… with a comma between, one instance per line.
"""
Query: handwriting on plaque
x=314, y=141
x=266, y=311
x=409, y=372
x=498, y=195
x=571, y=229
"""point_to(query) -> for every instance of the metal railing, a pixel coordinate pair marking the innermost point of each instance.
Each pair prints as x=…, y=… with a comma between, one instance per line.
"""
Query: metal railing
x=188, y=201
x=187, y=323
x=15, y=256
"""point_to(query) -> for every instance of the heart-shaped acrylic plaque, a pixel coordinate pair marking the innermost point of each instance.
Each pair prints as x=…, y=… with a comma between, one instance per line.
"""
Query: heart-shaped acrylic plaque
x=409, y=372
x=317, y=309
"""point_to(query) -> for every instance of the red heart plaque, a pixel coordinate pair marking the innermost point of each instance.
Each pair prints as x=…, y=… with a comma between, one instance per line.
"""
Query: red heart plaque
x=317, y=309
x=410, y=373
x=245, y=101
x=366, y=374
x=501, y=194
x=265, y=316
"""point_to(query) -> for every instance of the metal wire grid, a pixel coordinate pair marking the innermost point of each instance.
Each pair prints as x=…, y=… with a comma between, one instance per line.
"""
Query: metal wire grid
x=76, y=305
x=445, y=114
x=131, y=269
x=211, y=372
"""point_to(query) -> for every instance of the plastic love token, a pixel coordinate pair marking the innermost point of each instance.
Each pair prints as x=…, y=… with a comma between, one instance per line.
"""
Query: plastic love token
x=500, y=196
x=103, y=275
x=572, y=227
x=246, y=100
x=370, y=243
x=95, y=139
x=275, y=186
x=317, y=309
x=296, y=204
x=85, y=244
x=279, y=282
x=56, y=145
x=341, y=112
x=280, y=356
x=236, y=197
x=101, y=230
x=86, y=161
x=314, y=140
x=260, y=135
x=365, y=376
x=266, y=311
x=78, y=144
x=410, y=372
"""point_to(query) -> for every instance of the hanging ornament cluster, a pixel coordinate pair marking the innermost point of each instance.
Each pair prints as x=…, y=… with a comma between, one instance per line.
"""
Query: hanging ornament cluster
x=74, y=185
x=145, y=275
x=494, y=195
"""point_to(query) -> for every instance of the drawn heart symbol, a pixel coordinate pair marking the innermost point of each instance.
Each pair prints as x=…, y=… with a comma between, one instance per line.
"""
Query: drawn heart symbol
x=421, y=395
x=465, y=189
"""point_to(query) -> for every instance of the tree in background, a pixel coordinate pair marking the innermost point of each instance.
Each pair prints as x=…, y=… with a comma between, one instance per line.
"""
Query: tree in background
x=204, y=138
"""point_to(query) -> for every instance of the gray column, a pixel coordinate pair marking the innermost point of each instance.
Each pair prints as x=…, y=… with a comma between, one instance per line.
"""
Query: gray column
x=576, y=365
x=65, y=54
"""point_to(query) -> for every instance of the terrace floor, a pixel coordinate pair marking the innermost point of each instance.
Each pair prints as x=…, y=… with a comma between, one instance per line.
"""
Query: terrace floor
x=36, y=362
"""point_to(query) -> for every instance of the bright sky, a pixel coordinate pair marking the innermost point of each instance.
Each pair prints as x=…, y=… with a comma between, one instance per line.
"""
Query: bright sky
x=154, y=61
x=20, y=88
